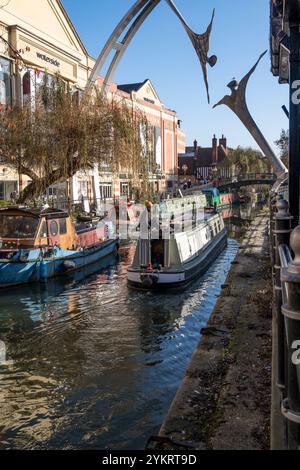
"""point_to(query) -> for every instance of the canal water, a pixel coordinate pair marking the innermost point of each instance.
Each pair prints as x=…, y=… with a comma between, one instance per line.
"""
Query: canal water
x=91, y=364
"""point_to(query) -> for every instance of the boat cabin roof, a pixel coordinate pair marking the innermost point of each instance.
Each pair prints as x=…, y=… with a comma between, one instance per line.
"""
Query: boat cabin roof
x=36, y=212
x=214, y=191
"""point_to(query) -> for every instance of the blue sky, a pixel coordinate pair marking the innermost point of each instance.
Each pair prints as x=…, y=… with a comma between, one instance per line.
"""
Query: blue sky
x=162, y=51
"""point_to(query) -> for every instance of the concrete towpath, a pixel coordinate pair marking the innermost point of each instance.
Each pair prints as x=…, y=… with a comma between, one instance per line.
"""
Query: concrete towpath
x=224, y=400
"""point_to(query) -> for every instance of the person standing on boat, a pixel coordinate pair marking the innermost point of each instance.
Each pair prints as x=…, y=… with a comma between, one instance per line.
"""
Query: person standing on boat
x=145, y=220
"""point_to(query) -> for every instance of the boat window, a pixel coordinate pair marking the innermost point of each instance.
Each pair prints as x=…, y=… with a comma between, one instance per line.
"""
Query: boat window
x=157, y=253
x=62, y=226
x=16, y=226
x=43, y=230
x=53, y=228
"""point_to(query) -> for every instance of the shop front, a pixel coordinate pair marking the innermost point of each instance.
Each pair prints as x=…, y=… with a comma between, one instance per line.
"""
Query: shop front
x=35, y=43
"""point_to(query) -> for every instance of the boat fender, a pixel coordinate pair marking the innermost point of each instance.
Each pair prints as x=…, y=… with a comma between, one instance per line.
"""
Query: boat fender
x=148, y=280
x=24, y=257
x=68, y=265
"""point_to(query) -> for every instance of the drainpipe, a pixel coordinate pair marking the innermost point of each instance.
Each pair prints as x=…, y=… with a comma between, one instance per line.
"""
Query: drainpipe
x=293, y=11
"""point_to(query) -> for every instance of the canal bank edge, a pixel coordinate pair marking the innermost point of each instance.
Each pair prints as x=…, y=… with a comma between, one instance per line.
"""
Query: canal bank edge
x=224, y=399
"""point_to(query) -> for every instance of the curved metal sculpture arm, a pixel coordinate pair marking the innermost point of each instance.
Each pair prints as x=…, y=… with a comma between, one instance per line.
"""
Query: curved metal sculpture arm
x=237, y=103
x=137, y=15
x=112, y=41
x=245, y=79
x=200, y=43
x=126, y=41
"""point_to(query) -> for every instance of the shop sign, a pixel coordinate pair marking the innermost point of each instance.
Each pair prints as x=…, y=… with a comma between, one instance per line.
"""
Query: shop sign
x=45, y=58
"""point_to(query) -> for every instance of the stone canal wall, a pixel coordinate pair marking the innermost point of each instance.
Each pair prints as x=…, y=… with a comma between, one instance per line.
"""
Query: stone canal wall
x=224, y=399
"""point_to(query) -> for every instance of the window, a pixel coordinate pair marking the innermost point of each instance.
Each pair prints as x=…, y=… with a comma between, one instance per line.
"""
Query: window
x=5, y=81
x=62, y=226
x=53, y=228
x=12, y=226
x=124, y=188
x=7, y=188
x=77, y=96
x=26, y=85
x=32, y=82
x=43, y=230
x=82, y=189
x=52, y=191
x=105, y=190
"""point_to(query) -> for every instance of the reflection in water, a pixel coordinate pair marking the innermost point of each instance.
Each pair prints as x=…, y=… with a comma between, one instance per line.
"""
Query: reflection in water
x=238, y=218
x=91, y=364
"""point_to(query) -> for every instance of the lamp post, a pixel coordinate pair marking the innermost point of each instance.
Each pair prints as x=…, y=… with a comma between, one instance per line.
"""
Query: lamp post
x=184, y=169
x=214, y=172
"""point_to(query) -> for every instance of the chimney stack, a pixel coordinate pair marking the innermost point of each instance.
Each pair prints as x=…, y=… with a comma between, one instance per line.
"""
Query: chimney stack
x=214, y=150
x=195, y=148
x=223, y=142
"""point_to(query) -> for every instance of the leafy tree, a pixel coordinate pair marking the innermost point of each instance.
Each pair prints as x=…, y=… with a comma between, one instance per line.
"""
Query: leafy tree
x=244, y=160
x=283, y=145
x=55, y=135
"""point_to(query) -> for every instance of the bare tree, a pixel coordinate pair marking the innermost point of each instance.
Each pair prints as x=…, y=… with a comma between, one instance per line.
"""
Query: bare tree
x=55, y=135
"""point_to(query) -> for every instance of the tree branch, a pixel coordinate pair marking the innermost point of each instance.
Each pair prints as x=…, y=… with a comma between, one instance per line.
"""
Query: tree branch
x=24, y=170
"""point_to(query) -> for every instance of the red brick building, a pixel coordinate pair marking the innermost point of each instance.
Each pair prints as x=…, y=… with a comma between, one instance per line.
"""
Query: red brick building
x=168, y=138
x=198, y=162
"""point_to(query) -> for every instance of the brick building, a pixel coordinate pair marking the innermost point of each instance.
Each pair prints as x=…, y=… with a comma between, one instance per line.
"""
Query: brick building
x=168, y=137
x=198, y=162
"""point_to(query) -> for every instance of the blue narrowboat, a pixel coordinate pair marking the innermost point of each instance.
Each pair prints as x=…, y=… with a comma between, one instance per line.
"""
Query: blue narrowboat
x=38, y=244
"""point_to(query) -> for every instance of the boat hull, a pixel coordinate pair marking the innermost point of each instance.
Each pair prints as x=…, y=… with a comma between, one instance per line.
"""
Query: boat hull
x=14, y=273
x=179, y=278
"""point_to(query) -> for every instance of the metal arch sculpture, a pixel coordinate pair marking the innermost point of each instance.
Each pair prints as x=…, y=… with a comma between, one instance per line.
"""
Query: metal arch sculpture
x=237, y=103
x=200, y=43
x=136, y=16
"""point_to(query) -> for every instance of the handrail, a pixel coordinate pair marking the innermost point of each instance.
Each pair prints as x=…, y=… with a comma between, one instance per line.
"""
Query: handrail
x=286, y=322
x=285, y=255
x=285, y=258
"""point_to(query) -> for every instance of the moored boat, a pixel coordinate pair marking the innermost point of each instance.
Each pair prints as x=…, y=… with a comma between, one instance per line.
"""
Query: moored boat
x=214, y=198
x=175, y=262
x=38, y=244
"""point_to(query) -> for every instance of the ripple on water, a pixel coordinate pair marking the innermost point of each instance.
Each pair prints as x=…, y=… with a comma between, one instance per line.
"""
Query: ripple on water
x=92, y=364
